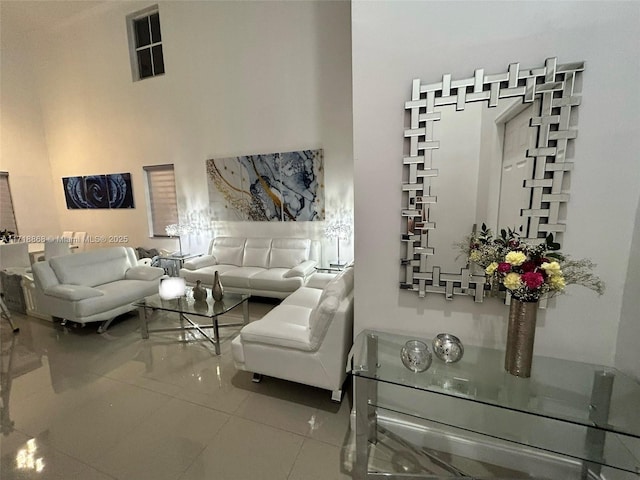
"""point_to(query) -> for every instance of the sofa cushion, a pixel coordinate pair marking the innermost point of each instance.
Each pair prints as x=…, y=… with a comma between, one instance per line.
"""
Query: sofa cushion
x=92, y=268
x=143, y=272
x=332, y=295
x=239, y=277
x=303, y=297
x=72, y=292
x=289, y=252
x=284, y=326
x=319, y=280
x=340, y=286
x=228, y=250
x=256, y=252
x=320, y=319
x=274, y=279
x=115, y=294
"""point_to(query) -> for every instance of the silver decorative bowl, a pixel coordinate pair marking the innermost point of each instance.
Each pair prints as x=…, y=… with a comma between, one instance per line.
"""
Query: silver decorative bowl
x=447, y=347
x=416, y=356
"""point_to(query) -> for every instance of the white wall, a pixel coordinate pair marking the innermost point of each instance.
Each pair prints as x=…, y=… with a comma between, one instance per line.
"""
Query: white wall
x=627, y=358
x=395, y=42
x=241, y=78
x=23, y=150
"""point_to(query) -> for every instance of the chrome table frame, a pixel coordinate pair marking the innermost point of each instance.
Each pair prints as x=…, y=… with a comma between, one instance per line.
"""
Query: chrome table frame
x=143, y=306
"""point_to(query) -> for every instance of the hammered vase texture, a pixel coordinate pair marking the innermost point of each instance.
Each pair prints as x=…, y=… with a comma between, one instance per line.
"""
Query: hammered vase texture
x=520, y=337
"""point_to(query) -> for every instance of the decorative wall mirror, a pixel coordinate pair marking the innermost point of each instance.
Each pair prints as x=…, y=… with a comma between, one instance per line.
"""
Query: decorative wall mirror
x=487, y=149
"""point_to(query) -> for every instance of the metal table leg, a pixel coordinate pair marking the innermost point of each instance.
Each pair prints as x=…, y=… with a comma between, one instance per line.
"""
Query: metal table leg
x=144, y=328
x=4, y=312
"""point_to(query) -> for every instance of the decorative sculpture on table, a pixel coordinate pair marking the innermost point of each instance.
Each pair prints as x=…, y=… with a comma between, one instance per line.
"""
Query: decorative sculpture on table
x=529, y=272
x=199, y=292
x=217, y=292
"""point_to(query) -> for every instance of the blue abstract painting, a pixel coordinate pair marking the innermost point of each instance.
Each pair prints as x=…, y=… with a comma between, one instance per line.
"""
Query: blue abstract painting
x=285, y=186
x=74, y=192
x=98, y=191
x=119, y=190
x=95, y=187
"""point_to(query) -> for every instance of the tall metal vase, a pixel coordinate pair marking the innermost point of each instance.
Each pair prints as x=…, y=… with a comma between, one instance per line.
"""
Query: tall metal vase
x=217, y=291
x=520, y=337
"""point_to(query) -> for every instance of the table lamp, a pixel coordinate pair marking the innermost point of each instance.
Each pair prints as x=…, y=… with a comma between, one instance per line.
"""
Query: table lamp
x=340, y=230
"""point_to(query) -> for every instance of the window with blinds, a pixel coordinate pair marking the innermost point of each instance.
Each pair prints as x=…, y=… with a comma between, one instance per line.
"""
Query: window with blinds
x=161, y=198
x=7, y=215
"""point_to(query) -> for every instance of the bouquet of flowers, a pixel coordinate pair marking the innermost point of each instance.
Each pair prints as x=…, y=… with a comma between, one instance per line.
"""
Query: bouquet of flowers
x=526, y=270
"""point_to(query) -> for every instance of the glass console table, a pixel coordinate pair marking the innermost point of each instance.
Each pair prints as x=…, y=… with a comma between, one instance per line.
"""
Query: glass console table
x=582, y=420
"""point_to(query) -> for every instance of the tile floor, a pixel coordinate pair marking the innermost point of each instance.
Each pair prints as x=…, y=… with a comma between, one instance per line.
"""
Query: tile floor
x=78, y=405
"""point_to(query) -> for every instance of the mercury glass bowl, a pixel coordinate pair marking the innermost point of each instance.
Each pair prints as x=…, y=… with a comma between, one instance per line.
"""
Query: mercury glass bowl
x=416, y=356
x=447, y=347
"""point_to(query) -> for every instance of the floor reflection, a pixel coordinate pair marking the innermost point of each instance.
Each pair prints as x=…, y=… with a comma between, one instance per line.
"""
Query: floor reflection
x=76, y=404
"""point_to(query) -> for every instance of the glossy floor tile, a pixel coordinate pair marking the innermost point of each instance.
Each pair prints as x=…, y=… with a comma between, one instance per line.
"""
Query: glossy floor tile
x=79, y=405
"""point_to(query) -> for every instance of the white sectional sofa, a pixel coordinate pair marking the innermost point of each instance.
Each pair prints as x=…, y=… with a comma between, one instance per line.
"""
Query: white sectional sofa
x=305, y=339
x=93, y=286
x=268, y=267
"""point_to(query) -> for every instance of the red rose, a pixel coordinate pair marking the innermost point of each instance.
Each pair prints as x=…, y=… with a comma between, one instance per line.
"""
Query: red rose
x=528, y=266
x=532, y=279
x=541, y=260
x=504, y=267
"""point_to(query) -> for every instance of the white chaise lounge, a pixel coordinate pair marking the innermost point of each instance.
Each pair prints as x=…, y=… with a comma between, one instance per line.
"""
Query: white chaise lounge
x=305, y=339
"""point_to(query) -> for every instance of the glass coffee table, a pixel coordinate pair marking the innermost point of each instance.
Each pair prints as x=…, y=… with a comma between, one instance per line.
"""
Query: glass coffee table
x=187, y=307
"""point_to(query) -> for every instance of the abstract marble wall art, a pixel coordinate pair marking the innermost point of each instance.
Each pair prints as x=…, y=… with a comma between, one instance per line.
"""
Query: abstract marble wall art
x=285, y=186
x=119, y=189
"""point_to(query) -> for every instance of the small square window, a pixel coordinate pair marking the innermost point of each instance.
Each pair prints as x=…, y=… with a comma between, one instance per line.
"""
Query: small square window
x=145, y=40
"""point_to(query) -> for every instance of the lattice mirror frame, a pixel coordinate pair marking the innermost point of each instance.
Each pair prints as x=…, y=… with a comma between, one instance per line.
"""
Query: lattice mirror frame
x=555, y=85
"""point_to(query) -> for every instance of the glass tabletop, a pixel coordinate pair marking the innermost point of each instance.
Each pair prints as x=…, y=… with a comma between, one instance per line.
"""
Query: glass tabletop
x=557, y=389
x=187, y=305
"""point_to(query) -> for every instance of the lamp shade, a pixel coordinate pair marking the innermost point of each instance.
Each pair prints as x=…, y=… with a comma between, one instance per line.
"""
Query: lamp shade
x=338, y=229
x=173, y=287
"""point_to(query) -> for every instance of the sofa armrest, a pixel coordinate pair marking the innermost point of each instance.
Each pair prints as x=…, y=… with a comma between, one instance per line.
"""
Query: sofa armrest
x=302, y=270
x=200, y=262
x=43, y=275
x=72, y=292
x=143, y=272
